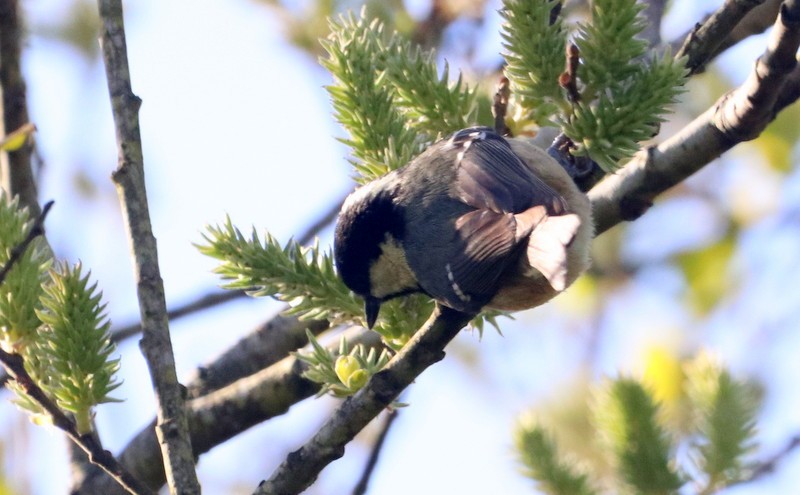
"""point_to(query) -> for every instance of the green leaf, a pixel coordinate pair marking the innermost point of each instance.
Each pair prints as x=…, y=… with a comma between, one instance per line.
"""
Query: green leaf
x=388, y=95
x=18, y=138
x=20, y=291
x=74, y=352
x=432, y=105
x=344, y=373
x=534, y=50
x=301, y=276
x=363, y=101
x=626, y=416
x=726, y=421
x=541, y=460
x=610, y=128
x=609, y=46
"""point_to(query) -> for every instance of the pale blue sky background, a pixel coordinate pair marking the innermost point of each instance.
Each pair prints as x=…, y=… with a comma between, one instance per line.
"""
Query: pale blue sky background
x=236, y=122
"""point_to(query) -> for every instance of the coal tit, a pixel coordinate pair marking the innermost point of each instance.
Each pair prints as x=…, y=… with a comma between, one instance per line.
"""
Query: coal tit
x=474, y=221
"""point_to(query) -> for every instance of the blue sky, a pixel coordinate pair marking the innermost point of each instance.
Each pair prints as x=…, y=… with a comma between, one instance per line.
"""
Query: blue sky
x=236, y=122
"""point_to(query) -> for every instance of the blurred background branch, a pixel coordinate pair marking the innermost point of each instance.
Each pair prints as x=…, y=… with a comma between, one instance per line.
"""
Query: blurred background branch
x=707, y=267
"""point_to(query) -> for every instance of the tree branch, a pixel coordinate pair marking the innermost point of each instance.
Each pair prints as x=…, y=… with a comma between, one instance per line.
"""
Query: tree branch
x=15, y=368
x=206, y=301
x=36, y=230
x=731, y=23
x=705, y=38
x=13, y=363
x=369, y=469
x=267, y=345
x=172, y=428
x=740, y=115
x=213, y=299
x=302, y=467
x=768, y=466
x=222, y=414
x=15, y=166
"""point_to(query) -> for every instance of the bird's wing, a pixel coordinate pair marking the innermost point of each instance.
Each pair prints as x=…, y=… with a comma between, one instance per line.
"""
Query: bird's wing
x=490, y=175
x=485, y=241
x=514, y=208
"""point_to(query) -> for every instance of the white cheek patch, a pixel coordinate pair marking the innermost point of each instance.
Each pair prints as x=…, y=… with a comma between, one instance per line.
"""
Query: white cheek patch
x=390, y=273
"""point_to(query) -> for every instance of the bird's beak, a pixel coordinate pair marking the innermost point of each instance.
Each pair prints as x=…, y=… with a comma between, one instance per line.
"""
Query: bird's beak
x=371, y=308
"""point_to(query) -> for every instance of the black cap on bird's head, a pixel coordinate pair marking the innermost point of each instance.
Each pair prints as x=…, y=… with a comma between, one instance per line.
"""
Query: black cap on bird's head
x=368, y=233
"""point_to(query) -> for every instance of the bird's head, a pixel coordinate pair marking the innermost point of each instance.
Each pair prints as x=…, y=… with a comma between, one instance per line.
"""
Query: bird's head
x=368, y=246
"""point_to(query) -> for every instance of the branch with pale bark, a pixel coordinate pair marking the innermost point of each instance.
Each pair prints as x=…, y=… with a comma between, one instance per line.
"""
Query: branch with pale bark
x=302, y=466
x=122, y=479
x=738, y=116
x=226, y=412
x=171, y=428
x=733, y=22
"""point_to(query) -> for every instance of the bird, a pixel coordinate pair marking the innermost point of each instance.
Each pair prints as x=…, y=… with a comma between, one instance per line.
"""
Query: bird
x=476, y=221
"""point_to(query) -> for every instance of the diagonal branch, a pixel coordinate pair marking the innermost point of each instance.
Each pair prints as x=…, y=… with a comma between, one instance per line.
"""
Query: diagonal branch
x=172, y=428
x=268, y=344
x=769, y=465
x=377, y=447
x=213, y=299
x=705, y=38
x=15, y=368
x=302, y=467
x=219, y=415
x=731, y=23
x=740, y=115
x=36, y=230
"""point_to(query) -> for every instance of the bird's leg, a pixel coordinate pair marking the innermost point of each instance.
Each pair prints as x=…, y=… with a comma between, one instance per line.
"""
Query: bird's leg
x=584, y=171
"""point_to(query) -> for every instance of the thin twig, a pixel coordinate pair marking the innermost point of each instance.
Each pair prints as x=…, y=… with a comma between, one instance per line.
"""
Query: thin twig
x=35, y=231
x=755, y=22
x=301, y=467
x=172, y=428
x=218, y=297
x=500, y=106
x=268, y=344
x=369, y=468
x=320, y=223
x=206, y=301
x=13, y=363
x=740, y=115
x=768, y=466
x=569, y=78
x=224, y=413
x=705, y=39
